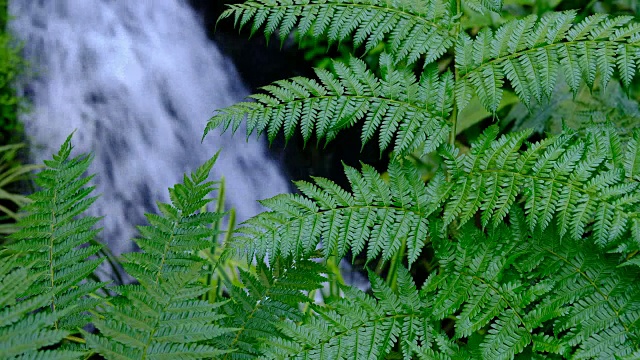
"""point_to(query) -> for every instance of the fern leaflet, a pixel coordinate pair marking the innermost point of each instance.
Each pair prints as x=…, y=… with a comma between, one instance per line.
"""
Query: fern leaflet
x=412, y=28
x=24, y=331
x=517, y=286
x=397, y=105
x=529, y=53
x=163, y=317
x=361, y=327
x=580, y=180
x=273, y=296
x=54, y=238
x=376, y=215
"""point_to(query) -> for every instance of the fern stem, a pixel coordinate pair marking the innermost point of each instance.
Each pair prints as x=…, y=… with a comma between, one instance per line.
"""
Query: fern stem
x=214, y=287
x=333, y=263
x=51, y=266
x=76, y=339
x=396, y=260
x=454, y=112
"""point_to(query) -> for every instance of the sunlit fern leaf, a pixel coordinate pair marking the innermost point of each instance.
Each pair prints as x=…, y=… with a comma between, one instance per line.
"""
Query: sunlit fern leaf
x=163, y=318
x=26, y=332
x=54, y=237
x=513, y=288
x=412, y=28
x=271, y=296
x=530, y=53
x=359, y=326
x=571, y=179
x=395, y=105
x=376, y=215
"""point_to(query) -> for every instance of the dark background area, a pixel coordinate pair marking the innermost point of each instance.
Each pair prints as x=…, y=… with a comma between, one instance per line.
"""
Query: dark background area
x=261, y=61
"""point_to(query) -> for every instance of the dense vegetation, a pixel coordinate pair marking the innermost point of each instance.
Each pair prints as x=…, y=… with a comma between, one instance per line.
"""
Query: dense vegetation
x=13, y=173
x=529, y=241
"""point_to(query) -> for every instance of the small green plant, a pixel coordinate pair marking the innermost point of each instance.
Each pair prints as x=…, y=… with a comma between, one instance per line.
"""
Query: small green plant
x=12, y=174
x=529, y=246
x=11, y=65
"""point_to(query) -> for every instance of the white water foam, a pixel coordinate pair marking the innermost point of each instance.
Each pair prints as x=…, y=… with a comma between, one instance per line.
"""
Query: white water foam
x=137, y=80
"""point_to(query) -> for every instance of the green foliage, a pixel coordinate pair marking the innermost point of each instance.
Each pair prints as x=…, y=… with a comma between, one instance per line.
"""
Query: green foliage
x=24, y=332
x=549, y=285
x=11, y=65
x=412, y=28
x=531, y=51
x=54, y=239
x=396, y=104
x=587, y=183
x=361, y=327
x=269, y=297
x=162, y=316
x=377, y=216
x=529, y=246
x=534, y=292
x=12, y=172
x=603, y=106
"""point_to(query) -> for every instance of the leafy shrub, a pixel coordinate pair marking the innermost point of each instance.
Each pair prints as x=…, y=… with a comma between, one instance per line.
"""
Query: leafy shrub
x=529, y=246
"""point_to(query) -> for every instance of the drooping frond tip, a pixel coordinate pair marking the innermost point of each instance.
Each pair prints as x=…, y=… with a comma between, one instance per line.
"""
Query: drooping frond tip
x=395, y=105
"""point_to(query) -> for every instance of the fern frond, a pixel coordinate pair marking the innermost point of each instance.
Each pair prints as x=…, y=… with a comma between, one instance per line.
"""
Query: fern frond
x=361, y=327
x=25, y=332
x=518, y=287
x=377, y=215
x=396, y=105
x=579, y=180
x=163, y=316
x=271, y=296
x=530, y=53
x=412, y=28
x=58, y=241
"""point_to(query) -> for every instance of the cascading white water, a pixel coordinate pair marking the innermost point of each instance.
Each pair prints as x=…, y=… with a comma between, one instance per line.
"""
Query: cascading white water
x=137, y=80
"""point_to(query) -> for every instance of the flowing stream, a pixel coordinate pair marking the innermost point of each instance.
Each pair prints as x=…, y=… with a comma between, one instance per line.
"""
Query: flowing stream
x=137, y=81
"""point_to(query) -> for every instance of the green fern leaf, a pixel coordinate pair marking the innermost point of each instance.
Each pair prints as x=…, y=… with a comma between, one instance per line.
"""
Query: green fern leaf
x=270, y=297
x=606, y=107
x=632, y=160
x=361, y=327
x=413, y=28
x=487, y=282
x=25, y=331
x=163, y=318
x=58, y=241
x=483, y=6
x=377, y=215
x=532, y=52
x=574, y=179
x=396, y=105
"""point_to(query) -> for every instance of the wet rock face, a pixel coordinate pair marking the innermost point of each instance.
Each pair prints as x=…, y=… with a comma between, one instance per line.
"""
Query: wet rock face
x=261, y=62
x=258, y=61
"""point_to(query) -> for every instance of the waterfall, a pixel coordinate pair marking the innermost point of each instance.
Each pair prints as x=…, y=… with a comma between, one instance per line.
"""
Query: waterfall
x=137, y=80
